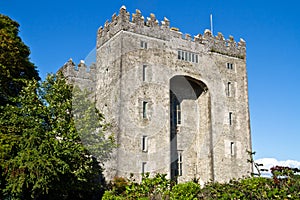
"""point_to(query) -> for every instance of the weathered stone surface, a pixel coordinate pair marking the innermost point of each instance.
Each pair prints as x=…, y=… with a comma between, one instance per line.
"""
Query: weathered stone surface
x=147, y=76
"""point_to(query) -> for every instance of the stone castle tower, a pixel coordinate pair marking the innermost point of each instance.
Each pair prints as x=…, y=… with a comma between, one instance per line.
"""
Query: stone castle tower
x=178, y=105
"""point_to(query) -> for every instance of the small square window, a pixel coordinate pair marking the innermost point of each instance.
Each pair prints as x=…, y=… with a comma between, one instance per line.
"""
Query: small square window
x=143, y=44
x=229, y=66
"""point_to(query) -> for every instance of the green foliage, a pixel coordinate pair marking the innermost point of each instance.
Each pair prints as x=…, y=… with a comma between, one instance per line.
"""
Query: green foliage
x=41, y=153
x=15, y=66
x=185, y=191
x=91, y=126
x=118, y=185
x=246, y=188
x=157, y=187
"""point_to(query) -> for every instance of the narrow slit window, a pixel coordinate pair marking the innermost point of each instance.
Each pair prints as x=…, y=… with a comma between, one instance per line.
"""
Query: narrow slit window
x=182, y=55
x=232, y=148
x=230, y=118
x=186, y=56
x=144, y=72
x=229, y=89
x=145, y=143
x=196, y=57
x=179, y=54
x=180, y=163
x=178, y=114
x=145, y=109
x=193, y=55
x=144, y=167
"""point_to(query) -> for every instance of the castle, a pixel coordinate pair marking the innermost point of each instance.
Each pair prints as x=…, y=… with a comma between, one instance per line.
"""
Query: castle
x=178, y=104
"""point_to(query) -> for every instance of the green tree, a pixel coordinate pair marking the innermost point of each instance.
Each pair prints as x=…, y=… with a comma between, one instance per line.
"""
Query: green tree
x=41, y=153
x=15, y=66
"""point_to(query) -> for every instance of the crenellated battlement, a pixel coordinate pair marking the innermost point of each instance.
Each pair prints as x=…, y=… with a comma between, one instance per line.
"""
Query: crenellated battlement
x=151, y=27
x=81, y=75
x=80, y=71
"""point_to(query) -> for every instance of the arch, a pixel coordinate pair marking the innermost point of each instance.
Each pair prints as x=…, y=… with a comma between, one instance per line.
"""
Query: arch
x=189, y=120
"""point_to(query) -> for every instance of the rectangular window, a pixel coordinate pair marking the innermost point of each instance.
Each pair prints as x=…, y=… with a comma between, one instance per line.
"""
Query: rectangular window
x=145, y=143
x=232, y=148
x=229, y=89
x=144, y=167
x=144, y=72
x=179, y=55
x=230, y=118
x=143, y=44
x=187, y=56
x=178, y=114
x=229, y=66
x=179, y=163
x=145, y=109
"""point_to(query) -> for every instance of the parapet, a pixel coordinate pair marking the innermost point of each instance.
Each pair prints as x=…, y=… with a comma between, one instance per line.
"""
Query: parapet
x=79, y=72
x=151, y=27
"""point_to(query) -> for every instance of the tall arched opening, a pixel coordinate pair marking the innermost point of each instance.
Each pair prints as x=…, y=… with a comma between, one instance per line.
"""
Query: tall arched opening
x=190, y=129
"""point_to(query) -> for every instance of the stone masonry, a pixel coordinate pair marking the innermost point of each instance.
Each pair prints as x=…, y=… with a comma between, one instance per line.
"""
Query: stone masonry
x=177, y=104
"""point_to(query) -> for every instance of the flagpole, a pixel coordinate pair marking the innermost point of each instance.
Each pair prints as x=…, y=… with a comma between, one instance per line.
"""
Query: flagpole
x=211, y=24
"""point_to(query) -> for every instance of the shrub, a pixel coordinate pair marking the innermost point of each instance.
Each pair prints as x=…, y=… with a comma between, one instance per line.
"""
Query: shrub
x=185, y=191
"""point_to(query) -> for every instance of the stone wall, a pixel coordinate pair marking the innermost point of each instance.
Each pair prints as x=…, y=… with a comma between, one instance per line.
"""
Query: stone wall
x=140, y=63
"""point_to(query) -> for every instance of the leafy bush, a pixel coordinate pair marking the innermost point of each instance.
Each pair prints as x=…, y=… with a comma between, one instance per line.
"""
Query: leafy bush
x=185, y=191
x=159, y=187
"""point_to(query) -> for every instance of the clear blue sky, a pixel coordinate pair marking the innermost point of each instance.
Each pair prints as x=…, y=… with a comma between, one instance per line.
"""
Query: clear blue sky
x=59, y=29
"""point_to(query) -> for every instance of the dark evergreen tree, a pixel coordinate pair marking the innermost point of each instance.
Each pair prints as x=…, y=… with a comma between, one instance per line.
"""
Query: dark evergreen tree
x=42, y=153
x=15, y=66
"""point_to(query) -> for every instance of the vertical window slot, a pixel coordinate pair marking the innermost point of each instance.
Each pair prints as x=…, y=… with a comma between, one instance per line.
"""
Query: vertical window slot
x=178, y=114
x=145, y=109
x=144, y=143
x=232, y=148
x=229, y=89
x=144, y=167
x=144, y=72
x=230, y=118
x=179, y=163
x=179, y=55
